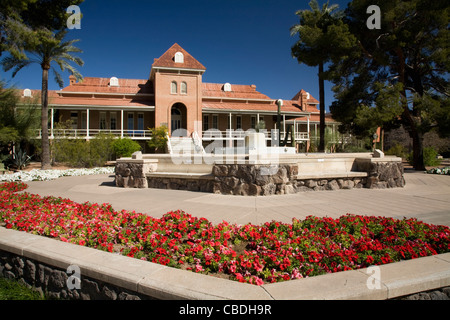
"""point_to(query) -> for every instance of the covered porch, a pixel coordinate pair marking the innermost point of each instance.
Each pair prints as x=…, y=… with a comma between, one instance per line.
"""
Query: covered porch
x=231, y=126
x=86, y=122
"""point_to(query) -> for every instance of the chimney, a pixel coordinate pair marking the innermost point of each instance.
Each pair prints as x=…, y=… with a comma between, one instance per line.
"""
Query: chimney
x=72, y=79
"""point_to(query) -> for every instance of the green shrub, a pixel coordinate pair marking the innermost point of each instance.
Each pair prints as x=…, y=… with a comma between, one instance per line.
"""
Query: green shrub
x=85, y=154
x=158, y=142
x=429, y=157
x=397, y=150
x=125, y=147
x=101, y=149
x=71, y=151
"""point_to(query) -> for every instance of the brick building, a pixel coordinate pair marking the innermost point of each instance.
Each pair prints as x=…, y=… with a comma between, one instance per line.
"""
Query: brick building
x=174, y=95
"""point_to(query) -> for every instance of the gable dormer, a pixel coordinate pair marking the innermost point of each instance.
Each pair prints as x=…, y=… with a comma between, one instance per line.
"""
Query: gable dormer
x=177, y=59
x=304, y=99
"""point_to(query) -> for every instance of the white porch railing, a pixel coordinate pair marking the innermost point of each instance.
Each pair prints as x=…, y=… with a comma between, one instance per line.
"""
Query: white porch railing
x=209, y=135
x=92, y=133
x=240, y=135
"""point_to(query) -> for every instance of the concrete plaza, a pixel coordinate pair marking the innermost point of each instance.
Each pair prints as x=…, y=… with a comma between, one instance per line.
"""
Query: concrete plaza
x=425, y=197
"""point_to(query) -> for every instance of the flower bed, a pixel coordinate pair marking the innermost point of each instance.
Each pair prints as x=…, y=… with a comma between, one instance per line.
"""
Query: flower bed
x=44, y=175
x=445, y=171
x=250, y=253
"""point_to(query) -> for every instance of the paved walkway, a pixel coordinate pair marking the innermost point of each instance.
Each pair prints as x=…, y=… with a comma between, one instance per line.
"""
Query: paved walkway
x=425, y=196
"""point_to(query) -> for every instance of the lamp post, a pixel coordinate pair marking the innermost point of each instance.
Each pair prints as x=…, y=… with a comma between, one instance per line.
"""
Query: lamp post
x=279, y=104
x=375, y=138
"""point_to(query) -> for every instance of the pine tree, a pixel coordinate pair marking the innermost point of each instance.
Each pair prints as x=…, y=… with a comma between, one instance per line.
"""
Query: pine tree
x=323, y=37
x=397, y=73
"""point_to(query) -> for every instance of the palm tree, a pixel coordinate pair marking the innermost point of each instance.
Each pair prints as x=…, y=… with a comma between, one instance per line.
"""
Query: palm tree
x=50, y=48
x=315, y=46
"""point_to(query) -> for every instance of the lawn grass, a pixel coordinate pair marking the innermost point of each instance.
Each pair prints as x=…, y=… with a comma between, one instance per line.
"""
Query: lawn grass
x=14, y=290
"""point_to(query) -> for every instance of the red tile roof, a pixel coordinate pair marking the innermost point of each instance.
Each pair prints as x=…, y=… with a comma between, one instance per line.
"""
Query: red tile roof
x=263, y=107
x=237, y=91
x=167, y=59
x=316, y=118
x=102, y=85
x=87, y=101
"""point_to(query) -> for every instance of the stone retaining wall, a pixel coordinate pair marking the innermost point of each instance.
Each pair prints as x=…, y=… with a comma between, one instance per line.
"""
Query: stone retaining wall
x=382, y=174
x=189, y=184
x=52, y=281
x=254, y=180
x=264, y=180
x=440, y=294
x=132, y=174
x=261, y=179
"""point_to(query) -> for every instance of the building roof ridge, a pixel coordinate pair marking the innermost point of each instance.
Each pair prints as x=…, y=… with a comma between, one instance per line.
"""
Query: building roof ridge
x=167, y=59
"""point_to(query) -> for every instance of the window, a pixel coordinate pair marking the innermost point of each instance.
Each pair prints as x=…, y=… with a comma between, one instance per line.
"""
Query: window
x=83, y=119
x=205, y=123
x=179, y=57
x=238, y=122
x=113, y=82
x=183, y=88
x=140, y=124
x=74, y=119
x=130, y=121
x=102, y=124
x=174, y=88
x=215, y=121
x=113, y=120
x=253, y=122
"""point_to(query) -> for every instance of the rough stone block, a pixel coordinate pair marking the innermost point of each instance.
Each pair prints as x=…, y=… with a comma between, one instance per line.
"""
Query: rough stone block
x=311, y=184
x=348, y=184
x=333, y=185
x=57, y=280
x=220, y=170
x=30, y=271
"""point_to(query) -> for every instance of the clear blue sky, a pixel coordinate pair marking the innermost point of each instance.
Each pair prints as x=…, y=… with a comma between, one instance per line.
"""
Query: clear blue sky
x=238, y=41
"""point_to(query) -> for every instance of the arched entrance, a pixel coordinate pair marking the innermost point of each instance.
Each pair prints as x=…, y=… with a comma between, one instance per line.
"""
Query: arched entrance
x=178, y=118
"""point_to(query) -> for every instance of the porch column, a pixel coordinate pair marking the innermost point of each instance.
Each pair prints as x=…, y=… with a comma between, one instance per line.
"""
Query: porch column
x=230, y=127
x=284, y=125
x=87, y=123
x=294, y=133
x=257, y=121
x=308, y=142
x=51, y=122
x=308, y=128
x=121, y=123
